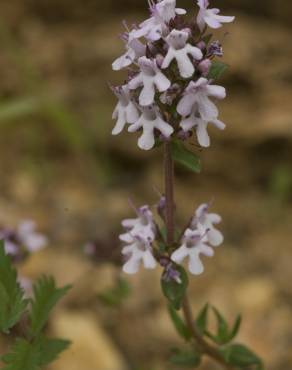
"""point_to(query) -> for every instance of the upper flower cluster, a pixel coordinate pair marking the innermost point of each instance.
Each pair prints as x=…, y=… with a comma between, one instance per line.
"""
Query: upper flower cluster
x=168, y=89
x=142, y=239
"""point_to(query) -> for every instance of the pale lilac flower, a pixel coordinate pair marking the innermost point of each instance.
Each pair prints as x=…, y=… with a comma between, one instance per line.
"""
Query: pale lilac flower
x=206, y=221
x=200, y=127
x=181, y=51
x=135, y=49
x=210, y=17
x=156, y=26
x=196, y=96
x=194, y=243
x=125, y=111
x=29, y=238
x=149, y=77
x=138, y=251
x=149, y=121
x=142, y=226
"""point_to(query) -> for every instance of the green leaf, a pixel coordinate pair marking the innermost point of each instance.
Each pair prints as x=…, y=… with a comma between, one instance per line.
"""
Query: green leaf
x=178, y=323
x=116, y=295
x=12, y=303
x=50, y=349
x=23, y=356
x=202, y=319
x=222, y=327
x=175, y=291
x=224, y=334
x=217, y=70
x=46, y=295
x=235, y=328
x=185, y=157
x=241, y=356
x=187, y=359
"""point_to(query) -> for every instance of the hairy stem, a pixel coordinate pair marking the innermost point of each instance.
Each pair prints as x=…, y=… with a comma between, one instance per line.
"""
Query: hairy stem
x=200, y=342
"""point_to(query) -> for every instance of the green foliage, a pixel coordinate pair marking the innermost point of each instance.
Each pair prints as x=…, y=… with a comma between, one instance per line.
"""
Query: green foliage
x=23, y=356
x=115, y=296
x=175, y=291
x=202, y=320
x=33, y=351
x=50, y=349
x=188, y=359
x=179, y=324
x=224, y=334
x=217, y=70
x=185, y=157
x=46, y=296
x=12, y=303
x=242, y=357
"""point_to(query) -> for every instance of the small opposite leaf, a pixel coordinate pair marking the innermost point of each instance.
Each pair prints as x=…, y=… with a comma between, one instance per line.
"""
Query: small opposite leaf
x=186, y=359
x=235, y=328
x=12, y=303
x=222, y=327
x=23, y=356
x=178, y=323
x=185, y=157
x=202, y=319
x=50, y=349
x=241, y=356
x=175, y=291
x=217, y=70
x=46, y=295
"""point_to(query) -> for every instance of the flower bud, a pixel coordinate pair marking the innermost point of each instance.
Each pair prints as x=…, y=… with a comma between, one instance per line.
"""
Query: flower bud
x=205, y=66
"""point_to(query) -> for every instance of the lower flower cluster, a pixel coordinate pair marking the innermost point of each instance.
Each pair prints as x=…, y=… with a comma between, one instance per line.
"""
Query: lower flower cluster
x=145, y=243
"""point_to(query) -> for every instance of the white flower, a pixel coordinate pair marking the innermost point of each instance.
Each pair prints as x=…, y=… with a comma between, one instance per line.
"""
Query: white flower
x=180, y=50
x=196, y=96
x=193, y=244
x=149, y=121
x=30, y=239
x=142, y=226
x=200, y=127
x=135, y=49
x=205, y=221
x=149, y=77
x=210, y=17
x=137, y=252
x=125, y=111
x=155, y=27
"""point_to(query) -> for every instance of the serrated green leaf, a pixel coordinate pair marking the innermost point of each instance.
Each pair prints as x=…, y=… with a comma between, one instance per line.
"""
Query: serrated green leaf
x=241, y=356
x=175, y=291
x=46, y=295
x=178, y=323
x=217, y=70
x=185, y=157
x=12, y=302
x=202, y=319
x=23, y=356
x=50, y=349
x=189, y=359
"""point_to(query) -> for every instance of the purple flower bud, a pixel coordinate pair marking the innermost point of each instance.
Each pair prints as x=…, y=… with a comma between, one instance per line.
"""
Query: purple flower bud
x=201, y=45
x=184, y=135
x=159, y=60
x=205, y=66
x=161, y=207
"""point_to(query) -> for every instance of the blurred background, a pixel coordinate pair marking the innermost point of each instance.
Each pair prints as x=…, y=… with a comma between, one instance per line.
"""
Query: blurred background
x=61, y=167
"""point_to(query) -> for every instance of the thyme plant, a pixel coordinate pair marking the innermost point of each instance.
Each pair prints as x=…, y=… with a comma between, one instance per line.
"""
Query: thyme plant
x=169, y=98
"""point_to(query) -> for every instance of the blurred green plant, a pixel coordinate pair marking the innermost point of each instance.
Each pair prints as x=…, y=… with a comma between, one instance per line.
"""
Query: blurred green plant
x=31, y=349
